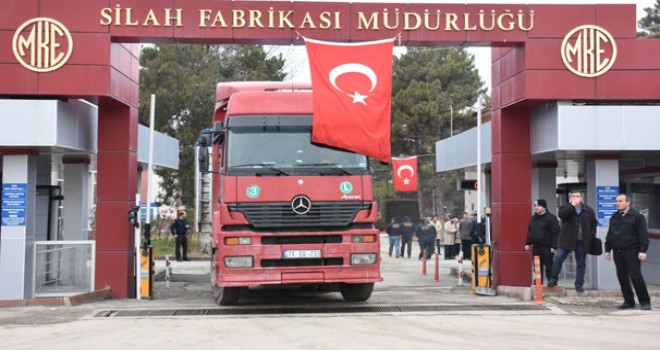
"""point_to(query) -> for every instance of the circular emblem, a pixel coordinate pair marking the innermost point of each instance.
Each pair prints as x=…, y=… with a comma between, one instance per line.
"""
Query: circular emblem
x=42, y=44
x=588, y=51
x=253, y=191
x=301, y=205
x=346, y=187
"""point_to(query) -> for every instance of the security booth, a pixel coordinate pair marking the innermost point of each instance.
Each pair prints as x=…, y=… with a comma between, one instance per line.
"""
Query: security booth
x=49, y=171
x=597, y=149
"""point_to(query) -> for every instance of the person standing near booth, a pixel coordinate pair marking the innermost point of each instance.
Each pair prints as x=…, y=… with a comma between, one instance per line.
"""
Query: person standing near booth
x=578, y=227
x=394, y=232
x=179, y=228
x=425, y=233
x=449, y=237
x=542, y=235
x=407, y=231
x=438, y=224
x=465, y=229
x=628, y=237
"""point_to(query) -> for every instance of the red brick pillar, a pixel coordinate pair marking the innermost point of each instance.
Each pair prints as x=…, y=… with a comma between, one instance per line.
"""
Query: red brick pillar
x=116, y=189
x=511, y=196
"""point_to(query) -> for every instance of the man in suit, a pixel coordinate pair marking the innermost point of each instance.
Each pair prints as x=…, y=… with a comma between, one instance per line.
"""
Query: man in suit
x=628, y=238
x=578, y=227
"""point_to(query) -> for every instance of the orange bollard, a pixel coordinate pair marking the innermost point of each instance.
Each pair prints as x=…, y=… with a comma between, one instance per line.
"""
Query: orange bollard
x=436, y=276
x=424, y=264
x=537, y=279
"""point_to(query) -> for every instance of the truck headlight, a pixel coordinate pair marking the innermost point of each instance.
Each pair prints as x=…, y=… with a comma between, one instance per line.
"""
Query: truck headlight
x=363, y=238
x=238, y=240
x=239, y=261
x=363, y=259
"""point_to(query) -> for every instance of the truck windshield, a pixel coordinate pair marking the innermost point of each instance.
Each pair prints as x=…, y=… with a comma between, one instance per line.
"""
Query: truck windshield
x=250, y=148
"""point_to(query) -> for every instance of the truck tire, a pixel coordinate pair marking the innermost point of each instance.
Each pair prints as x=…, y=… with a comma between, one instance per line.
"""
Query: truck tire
x=226, y=295
x=356, y=291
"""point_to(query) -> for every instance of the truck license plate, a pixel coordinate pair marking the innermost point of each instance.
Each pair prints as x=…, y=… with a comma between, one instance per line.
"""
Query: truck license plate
x=302, y=254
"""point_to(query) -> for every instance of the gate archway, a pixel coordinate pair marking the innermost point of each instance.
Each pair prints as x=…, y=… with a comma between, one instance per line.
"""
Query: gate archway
x=540, y=53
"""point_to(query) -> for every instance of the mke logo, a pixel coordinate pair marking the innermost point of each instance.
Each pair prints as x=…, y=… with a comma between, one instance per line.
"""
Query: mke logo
x=588, y=51
x=42, y=44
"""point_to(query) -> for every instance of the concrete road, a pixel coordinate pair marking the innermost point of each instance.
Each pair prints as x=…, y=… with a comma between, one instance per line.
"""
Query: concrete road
x=429, y=314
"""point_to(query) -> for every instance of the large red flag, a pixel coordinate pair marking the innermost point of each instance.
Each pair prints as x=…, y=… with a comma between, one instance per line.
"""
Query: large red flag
x=352, y=89
x=404, y=171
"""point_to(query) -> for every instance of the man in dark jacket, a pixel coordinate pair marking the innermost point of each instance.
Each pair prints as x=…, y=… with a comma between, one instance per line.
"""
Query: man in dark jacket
x=394, y=231
x=407, y=231
x=465, y=231
x=578, y=227
x=425, y=236
x=628, y=238
x=179, y=228
x=542, y=234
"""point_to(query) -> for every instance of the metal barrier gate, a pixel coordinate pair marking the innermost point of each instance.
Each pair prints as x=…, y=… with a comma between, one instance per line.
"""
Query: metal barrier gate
x=63, y=268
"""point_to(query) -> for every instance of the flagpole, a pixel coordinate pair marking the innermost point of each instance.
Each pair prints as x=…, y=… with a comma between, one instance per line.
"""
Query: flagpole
x=479, y=184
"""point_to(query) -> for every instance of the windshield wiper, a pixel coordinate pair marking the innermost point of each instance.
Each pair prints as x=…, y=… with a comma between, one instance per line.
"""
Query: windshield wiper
x=328, y=165
x=263, y=165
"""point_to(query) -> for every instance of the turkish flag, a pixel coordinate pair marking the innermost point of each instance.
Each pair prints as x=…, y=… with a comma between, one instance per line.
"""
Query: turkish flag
x=404, y=171
x=352, y=94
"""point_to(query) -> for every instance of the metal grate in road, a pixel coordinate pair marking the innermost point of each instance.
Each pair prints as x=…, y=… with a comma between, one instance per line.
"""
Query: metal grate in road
x=240, y=311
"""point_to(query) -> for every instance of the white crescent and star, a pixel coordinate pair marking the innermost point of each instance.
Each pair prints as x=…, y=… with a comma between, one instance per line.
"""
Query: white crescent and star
x=338, y=71
x=406, y=180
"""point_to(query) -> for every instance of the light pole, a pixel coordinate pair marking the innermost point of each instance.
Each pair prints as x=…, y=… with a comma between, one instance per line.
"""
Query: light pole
x=451, y=120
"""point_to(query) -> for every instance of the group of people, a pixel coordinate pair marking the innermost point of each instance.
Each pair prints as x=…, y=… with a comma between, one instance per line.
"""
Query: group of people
x=627, y=242
x=454, y=236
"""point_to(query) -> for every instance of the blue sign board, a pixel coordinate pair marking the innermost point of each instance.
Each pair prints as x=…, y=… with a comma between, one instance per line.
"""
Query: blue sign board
x=606, y=203
x=153, y=208
x=14, y=198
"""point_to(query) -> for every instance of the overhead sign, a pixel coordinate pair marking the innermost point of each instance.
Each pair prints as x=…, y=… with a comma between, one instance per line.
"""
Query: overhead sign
x=14, y=199
x=282, y=16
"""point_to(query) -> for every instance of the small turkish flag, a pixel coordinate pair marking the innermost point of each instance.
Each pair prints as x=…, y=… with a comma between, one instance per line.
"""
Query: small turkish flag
x=404, y=171
x=352, y=94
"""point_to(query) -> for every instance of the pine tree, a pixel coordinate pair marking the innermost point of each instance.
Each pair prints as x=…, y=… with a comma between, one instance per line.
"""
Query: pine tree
x=432, y=93
x=650, y=24
x=184, y=78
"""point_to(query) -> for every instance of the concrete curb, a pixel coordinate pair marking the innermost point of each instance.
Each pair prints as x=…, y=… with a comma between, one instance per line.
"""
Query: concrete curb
x=73, y=300
x=528, y=293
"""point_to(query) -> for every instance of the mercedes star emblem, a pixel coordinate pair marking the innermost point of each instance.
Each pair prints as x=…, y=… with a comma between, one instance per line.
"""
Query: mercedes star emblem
x=301, y=205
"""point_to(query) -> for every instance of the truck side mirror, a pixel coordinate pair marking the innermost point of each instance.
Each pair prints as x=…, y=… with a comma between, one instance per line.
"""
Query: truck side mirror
x=203, y=142
x=203, y=159
x=218, y=132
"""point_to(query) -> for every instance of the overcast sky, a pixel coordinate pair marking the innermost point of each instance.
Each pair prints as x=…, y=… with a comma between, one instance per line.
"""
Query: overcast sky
x=298, y=68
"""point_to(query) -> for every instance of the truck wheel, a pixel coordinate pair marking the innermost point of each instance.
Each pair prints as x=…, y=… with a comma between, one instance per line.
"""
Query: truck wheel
x=226, y=295
x=356, y=291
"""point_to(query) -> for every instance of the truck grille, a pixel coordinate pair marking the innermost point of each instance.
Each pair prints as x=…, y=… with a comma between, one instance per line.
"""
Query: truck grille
x=322, y=239
x=301, y=262
x=321, y=214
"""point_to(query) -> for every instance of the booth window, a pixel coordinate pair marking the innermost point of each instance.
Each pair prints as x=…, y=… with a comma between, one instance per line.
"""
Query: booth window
x=645, y=197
